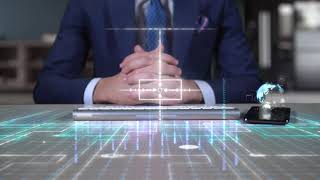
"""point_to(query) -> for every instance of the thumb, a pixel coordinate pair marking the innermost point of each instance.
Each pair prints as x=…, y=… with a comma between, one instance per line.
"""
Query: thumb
x=138, y=49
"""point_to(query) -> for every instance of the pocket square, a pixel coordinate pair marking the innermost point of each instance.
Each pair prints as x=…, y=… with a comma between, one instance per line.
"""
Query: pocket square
x=202, y=23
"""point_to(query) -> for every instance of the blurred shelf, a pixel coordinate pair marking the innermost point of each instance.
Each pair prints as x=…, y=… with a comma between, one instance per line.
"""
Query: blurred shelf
x=21, y=61
x=37, y=64
x=12, y=85
x=30, y=43
x=11, y=63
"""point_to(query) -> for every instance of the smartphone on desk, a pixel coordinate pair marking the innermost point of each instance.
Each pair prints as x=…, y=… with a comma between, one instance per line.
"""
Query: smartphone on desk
x=275, y=116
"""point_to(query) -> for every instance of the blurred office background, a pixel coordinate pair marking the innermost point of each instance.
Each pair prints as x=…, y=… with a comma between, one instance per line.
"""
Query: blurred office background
x=284, y=35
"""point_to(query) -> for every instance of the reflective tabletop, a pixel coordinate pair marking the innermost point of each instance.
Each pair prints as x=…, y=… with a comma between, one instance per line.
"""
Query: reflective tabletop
x=43, y=142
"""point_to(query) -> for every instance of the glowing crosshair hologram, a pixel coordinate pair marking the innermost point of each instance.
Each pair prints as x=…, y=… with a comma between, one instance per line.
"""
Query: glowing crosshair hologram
x=160, y=89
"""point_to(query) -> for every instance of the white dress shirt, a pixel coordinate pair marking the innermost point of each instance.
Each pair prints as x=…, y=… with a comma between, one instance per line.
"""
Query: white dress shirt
x=205, y=88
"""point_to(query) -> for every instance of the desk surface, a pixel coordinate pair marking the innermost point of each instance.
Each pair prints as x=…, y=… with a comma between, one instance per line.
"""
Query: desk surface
x=38, y=142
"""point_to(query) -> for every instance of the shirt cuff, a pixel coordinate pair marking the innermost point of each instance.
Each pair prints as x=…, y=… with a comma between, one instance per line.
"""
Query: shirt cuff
x=88, y=93
x=207, y=93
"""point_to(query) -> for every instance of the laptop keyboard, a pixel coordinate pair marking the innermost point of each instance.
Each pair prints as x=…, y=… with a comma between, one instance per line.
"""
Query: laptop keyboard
x=142, y=108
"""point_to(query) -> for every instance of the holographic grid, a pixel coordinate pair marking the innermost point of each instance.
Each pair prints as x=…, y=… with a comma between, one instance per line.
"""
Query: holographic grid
x=39, y=142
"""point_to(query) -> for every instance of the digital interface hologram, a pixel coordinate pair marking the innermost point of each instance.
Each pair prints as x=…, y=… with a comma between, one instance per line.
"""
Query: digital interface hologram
x=45, y=143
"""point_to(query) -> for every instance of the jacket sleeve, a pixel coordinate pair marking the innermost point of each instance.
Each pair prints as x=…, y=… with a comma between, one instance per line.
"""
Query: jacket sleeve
x=237, y=80
x=60, y=81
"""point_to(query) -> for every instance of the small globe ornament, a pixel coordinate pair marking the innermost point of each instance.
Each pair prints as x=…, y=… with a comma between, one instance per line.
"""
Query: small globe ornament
x=270, y=95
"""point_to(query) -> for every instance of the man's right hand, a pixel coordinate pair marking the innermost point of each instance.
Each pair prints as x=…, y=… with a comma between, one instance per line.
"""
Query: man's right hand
x=115, y=90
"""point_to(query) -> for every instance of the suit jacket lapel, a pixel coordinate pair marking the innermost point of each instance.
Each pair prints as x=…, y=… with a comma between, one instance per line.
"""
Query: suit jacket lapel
x=185, y=16
x=122, y=15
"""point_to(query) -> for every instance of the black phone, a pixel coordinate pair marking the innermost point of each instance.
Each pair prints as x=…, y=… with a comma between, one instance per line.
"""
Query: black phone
x=276, y=115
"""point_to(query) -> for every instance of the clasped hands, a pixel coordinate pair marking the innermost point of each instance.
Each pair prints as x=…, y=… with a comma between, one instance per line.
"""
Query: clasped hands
x=123, y=88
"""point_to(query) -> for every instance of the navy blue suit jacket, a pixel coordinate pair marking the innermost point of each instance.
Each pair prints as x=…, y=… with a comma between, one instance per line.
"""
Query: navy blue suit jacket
x=84, y=26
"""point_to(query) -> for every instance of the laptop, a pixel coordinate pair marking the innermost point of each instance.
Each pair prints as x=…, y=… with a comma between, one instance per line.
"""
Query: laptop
x=145, y=113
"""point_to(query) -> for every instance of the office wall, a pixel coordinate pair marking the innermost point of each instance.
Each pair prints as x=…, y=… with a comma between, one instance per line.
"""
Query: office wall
x=28, y=19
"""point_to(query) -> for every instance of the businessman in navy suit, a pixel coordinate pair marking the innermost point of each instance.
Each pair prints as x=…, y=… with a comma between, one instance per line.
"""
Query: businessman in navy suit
x=124, y=51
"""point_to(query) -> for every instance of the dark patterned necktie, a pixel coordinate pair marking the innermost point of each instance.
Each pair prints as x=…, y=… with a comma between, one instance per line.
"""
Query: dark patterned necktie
x=155, y=18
